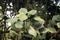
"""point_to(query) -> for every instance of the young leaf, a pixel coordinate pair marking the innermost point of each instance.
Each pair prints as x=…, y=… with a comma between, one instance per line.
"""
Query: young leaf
x=12, y=20
x=41, y=21
x=32, y=31
x=21, y=16
x=32, y=12
x=19, y=25
x=23, y=10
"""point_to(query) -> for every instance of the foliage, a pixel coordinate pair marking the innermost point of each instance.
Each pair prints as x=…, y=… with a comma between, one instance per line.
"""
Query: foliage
x=36, y=21
x=21, y=22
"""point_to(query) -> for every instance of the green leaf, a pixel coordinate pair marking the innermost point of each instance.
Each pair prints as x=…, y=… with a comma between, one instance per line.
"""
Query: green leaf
x=50, y=29
x=32, y=12
x=23, y=10
x=0, y=7
x=1, y=15
x=58, y=24
x=19, y=24
x=41, y=21
x=32, y=31
x=0, y=18
x=21, y=16
x=27, y=24
x=12, y=20
x=12, y=33
x=56, y=18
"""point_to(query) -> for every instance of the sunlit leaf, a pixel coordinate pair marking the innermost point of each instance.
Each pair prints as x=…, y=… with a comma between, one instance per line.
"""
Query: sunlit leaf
x=58, y=24
x=21, y=16
x=0, y=7
x=0, y=18
x=32, y=31
x=32, y=12
x=12, y=20
x=23, y=10
x=37, y=18
x=19, y=25
x=8, y=24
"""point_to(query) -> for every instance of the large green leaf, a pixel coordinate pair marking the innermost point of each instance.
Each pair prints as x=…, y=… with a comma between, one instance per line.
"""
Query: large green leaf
x=21, y=16
x=32, y=31
x=41, y=21
x=23, y=10
x=56, y=18
x=32, y=12
x=19, y=24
